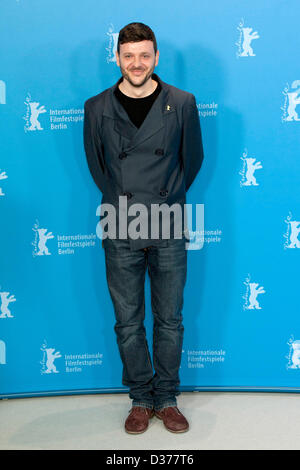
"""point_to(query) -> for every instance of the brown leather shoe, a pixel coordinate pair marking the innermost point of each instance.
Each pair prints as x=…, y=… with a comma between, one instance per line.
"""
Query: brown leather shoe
x=173, y=420
x=138, y=419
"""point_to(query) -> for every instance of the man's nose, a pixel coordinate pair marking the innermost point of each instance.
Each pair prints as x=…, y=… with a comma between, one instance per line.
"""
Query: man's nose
x=136, y=62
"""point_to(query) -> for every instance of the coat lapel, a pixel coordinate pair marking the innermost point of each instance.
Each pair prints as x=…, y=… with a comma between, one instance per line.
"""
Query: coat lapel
x=153, y=122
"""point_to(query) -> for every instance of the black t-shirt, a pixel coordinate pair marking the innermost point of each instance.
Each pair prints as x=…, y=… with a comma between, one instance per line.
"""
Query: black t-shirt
x=137, y=108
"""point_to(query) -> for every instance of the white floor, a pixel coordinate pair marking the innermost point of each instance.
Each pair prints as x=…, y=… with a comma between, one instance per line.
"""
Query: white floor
x=217, y=421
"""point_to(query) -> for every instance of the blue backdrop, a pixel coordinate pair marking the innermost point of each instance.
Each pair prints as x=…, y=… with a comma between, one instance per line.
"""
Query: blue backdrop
x=241, y=309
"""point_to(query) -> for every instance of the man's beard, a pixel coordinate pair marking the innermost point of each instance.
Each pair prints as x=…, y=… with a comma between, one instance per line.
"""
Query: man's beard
x=148, y=75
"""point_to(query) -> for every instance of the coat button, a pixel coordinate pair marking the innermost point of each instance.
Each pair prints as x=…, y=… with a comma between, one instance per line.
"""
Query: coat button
x=163, y=192
x=122, y=155
x=129, y=195
x=159, y=151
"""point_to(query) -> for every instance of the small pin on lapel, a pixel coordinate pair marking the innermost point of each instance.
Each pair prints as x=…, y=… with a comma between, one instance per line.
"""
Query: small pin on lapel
x=168, y=107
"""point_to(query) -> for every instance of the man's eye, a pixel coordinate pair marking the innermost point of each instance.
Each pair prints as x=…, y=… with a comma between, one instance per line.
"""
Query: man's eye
x=127, y=56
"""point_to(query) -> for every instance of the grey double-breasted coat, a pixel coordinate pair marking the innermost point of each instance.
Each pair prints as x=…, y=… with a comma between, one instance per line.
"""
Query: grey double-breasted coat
x=153, y=164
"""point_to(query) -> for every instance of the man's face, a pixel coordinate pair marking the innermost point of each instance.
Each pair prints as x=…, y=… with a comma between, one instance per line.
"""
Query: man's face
x=137, y=61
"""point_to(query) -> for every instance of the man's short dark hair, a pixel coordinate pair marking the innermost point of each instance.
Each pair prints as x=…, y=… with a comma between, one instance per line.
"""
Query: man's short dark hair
x=135, y=32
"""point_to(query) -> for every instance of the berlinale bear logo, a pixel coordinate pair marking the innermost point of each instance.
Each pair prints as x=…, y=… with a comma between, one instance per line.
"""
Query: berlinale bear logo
x=250, y=165
x=32, y=113
x=5, y=301
x=47, y=362
x=244, y=42
x=41, y=237
x=252, y=292
x=294, y=354
x=291, y=101
x=292, y=232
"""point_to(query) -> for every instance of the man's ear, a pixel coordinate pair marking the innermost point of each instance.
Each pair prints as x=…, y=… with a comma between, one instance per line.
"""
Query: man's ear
x=156, y=57
x=118, y=58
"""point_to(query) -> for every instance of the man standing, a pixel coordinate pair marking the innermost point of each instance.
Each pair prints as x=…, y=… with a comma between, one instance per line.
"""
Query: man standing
x=143, y=143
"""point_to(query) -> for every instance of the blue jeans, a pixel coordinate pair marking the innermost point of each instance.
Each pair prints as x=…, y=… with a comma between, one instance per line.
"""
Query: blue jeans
x=125, y=272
